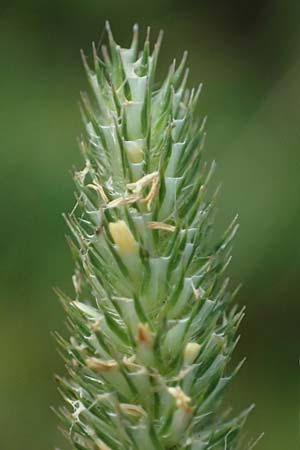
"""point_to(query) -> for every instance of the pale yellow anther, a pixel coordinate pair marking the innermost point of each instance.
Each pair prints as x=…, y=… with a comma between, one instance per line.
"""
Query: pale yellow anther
x=132, y=410
x=101, y=445
x=130, y=363
x=80, y=176
x=161, y=226
x=153, y=191
x=135, y=155
x=198, y=293
x=100, y=365
x=191, y=352
x=99, y=189
x=138, y=185
x=123, y=237
x=121, y=201
x=182, y=400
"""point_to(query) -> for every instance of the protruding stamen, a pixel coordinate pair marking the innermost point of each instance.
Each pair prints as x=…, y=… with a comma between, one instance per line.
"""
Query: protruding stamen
x=182, y=400
x=100, y=365
x=191, y=352
x=132, y=410
x=144, y=334
x=98, y=188
x=101, y=446
x=123, y=237
x=161, y=226
x=121, y=201
x=142, y=182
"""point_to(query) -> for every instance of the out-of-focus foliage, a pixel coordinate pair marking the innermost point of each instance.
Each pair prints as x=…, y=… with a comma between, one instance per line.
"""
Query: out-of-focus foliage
x=247, y=55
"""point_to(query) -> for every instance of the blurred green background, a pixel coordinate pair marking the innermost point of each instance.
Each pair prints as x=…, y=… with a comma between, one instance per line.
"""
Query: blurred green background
x=248, y=56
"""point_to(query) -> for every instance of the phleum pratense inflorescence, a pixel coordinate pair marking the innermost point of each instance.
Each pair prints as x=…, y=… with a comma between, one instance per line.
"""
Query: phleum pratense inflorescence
x=152, y=322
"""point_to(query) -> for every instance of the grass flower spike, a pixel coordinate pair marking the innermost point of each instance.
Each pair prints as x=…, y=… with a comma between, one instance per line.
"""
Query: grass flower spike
x=152, y=323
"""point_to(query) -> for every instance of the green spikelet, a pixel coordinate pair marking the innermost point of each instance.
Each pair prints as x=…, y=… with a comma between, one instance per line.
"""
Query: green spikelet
x=152, y=327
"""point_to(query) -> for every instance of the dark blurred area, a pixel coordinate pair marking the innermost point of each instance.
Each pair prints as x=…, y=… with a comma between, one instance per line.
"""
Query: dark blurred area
x=248, y=56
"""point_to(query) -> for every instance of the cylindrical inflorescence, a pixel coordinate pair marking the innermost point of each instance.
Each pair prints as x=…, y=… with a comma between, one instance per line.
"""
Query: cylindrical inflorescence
x=152, y=326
